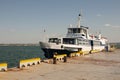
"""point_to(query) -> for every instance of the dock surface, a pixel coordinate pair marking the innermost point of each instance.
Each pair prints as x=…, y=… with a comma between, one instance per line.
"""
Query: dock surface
x=99, y=66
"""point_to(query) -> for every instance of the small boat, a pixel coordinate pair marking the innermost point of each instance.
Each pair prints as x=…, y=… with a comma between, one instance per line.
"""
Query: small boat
x=77, y=38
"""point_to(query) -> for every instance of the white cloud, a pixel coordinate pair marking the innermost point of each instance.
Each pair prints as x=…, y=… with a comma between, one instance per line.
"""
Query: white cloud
x=109, y=25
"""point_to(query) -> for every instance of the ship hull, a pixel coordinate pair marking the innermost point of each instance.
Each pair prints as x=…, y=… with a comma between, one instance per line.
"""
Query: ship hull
x=48, y=53
x=50, y=49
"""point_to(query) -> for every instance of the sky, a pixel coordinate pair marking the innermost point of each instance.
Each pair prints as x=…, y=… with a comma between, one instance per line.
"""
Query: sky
x=24, y=21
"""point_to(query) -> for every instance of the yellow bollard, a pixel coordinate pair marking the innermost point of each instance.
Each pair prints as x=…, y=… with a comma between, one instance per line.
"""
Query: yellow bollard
x=3, y=66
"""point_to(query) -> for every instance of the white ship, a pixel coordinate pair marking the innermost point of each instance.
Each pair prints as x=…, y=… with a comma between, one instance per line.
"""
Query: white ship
x=75, y=39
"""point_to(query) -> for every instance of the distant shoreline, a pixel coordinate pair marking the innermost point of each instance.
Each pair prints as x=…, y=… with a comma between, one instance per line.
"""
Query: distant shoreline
x=19, y=44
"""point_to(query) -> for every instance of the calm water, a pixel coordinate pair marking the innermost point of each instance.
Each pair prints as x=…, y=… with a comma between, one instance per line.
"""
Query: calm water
x=13, y=54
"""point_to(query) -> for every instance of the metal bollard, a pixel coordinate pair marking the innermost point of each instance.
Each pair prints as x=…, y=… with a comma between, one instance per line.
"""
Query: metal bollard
x=65, y=59
x=54, y=60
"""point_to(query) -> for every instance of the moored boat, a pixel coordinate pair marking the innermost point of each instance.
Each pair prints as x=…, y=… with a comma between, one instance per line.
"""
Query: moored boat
x=77, y=38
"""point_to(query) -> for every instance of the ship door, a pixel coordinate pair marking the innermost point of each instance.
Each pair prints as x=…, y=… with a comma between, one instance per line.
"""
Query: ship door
x=91, y=43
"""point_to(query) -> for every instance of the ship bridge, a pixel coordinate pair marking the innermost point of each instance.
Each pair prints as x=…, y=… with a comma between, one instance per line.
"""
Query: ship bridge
x=78, y=32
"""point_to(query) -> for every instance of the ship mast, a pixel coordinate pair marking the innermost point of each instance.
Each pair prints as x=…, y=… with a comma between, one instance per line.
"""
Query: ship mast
x=79, y=16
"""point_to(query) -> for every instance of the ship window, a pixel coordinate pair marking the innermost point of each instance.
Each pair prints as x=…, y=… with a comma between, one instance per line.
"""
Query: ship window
x=69, y=30
x=68, y=41
x=83, y=42
x=74, y=30
x=53, y=40
x=59, y=40
x=96, y=43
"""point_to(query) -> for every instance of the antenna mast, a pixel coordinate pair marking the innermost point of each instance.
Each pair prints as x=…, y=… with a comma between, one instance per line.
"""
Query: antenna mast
x=79, y=16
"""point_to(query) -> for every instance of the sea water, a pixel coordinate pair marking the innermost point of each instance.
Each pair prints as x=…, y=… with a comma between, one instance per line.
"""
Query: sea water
x=13, y=54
